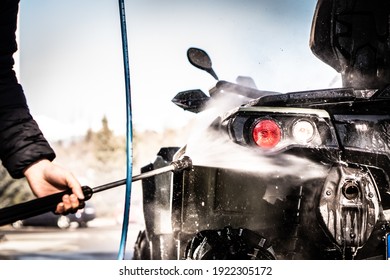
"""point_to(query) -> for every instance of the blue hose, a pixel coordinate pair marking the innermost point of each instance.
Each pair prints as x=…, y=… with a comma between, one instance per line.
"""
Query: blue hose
x=129, y=131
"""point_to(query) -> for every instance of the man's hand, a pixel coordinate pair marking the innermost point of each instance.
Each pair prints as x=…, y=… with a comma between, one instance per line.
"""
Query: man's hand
x=45, y=178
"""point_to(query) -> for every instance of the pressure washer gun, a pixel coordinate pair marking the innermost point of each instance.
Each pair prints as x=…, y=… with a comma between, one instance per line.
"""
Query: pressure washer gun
x=21, y=211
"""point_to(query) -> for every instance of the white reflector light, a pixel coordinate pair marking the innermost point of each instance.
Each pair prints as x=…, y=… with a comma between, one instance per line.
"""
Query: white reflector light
x=303, y=131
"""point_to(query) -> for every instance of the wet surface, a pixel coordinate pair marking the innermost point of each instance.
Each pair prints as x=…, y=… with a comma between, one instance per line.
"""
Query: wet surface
x=99, y=241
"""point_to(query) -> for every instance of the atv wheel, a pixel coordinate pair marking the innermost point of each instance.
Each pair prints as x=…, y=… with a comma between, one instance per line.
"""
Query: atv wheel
x=229, y=244
x=142, y=247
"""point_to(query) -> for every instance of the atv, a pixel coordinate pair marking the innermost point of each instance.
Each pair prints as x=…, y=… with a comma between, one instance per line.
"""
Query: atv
x=296, y=175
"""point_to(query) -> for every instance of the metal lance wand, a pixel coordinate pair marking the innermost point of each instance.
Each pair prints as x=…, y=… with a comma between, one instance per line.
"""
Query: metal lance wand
x=21, y=211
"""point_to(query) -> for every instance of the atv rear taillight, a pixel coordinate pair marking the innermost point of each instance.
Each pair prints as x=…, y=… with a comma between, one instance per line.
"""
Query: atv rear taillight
x=277, y=129
x=266, y=133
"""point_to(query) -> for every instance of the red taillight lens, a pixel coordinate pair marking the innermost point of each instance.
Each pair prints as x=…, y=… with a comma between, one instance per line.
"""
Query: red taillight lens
x=266, y=134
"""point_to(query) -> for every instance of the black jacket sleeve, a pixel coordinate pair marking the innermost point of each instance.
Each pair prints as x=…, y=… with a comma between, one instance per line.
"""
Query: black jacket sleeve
x=21, y=141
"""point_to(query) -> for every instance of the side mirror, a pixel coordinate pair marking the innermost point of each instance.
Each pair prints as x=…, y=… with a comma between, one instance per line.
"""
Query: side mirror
x=191, y=100
x=200, y=59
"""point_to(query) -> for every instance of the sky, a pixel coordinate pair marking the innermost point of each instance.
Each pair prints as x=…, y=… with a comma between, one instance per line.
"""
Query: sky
x=71, y=63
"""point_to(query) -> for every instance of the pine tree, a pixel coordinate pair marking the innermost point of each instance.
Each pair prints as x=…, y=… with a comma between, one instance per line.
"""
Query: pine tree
x=13, y=191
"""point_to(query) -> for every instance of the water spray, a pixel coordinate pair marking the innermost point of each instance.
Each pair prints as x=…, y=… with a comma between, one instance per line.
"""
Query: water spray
x=21, y=211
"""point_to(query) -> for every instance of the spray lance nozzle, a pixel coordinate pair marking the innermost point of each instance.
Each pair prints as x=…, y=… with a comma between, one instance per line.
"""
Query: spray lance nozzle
x=184, y=163
x=21, y=211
